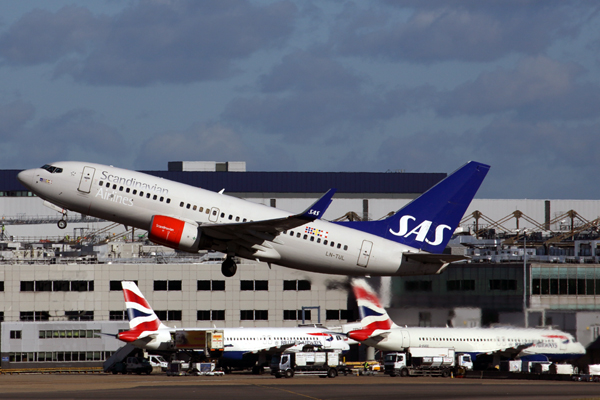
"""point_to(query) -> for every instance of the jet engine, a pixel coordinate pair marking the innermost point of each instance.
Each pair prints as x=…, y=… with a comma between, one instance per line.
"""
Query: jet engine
x=174, y=233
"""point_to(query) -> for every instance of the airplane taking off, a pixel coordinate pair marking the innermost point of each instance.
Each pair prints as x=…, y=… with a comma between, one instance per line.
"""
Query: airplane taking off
x=410, y=242
x=532, y=344
x=243, y=347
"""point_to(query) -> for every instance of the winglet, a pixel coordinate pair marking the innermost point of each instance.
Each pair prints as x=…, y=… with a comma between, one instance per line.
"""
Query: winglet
x=319, y=207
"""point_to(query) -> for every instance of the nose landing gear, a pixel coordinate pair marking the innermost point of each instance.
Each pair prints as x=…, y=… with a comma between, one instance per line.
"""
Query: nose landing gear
x=62, y=224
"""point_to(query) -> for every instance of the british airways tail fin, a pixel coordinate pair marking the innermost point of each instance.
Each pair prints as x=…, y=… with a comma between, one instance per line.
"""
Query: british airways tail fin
x=143, y=321
x=372, y=314
x=428, y=222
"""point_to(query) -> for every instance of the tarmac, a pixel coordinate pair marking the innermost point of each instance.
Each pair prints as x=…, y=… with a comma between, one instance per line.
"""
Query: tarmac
x=241, y=386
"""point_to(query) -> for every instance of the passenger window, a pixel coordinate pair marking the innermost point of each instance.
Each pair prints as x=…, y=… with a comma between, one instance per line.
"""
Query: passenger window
x=101, y=183
x=244, y=220
x=107, y=184
x=230, y=217
x=114, y=186
x=339, y=246
x=201, y=209
x=208, y=212
x=237, y=219
x=168, y=201
x=161, y=198
x=120, y=188
x=215, y=212
x=222, y=215
x=154, y=197
x=141, y=194
x=305, y=236
x=147, y=195
x=318, y=240
x=188, y=206
x=298, y=234
x=127, y=190
x=332, y=244
x=325, y=242
x=345, y=247
x=194, y=208
x=134, y=191
x=181, y=204
x=291, y=233
x=312, y=238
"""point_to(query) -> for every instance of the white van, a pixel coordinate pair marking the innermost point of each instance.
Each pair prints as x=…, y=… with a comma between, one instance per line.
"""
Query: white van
x=158, y=361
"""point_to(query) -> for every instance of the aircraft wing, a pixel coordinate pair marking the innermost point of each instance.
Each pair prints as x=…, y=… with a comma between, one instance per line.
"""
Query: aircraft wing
x=510, y=352
x=268, y=229
x=274, y=349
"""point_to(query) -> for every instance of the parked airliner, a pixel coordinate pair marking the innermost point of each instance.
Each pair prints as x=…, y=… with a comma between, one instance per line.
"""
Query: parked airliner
x=243, y=347
x=410, y=242
x=532, y=344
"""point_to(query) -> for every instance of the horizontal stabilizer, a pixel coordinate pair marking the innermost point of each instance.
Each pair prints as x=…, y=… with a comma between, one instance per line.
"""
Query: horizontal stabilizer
x=427, y=258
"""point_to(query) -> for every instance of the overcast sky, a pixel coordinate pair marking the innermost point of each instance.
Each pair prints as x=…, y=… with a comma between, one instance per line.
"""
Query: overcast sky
x=419, y=86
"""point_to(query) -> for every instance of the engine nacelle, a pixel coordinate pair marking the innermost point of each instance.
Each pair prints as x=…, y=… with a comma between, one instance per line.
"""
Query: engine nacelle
x=174, y=233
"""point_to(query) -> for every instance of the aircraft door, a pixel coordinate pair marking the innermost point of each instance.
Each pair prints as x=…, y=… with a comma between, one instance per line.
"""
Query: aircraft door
x=405, y=339
x=214, y=214
x=365, y=253
x=562, y=345
x=87, y=177
x=327, y=341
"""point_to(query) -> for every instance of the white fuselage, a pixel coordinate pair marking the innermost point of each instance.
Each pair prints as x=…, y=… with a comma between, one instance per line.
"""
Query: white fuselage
x=552, y=343
x=240, y=341
x=133, y=198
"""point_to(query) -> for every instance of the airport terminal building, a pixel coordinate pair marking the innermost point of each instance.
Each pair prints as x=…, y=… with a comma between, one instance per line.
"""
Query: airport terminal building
x=60, y=289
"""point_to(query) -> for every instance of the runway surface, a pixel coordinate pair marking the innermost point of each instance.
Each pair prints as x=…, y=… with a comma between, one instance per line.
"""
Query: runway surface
x=104, y=386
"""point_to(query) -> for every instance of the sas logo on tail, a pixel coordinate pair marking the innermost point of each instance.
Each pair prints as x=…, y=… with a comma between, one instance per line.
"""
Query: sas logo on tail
x=420, y=231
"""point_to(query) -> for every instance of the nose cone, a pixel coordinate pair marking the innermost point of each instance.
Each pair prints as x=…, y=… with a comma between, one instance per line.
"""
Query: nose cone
x=26, y=178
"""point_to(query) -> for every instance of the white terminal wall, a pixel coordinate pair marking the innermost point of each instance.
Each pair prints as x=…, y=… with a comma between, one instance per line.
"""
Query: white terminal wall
x=189, y=300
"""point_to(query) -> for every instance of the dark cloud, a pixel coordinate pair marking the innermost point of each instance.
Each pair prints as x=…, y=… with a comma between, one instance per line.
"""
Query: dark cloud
x=529, y=160
x=184, y=41
x=436, y=31
x=13, y=117
x=68, y=137
x=303, y=71
x=201, y=142
x=150, y=41
x=41, y=36
x=307, y=95
x=538, y=88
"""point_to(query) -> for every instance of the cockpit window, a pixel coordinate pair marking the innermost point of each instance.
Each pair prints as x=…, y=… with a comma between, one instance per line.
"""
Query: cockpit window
x=52, y=169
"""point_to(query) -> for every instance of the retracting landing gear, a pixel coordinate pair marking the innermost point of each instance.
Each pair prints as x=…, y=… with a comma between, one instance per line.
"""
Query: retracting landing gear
x=62, y=224
x=229, y=267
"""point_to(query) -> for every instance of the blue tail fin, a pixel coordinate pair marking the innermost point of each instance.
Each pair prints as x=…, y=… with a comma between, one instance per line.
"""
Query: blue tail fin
x=428, y=222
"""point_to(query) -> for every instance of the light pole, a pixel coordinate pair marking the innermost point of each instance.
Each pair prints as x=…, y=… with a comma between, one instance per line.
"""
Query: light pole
x=525, y=277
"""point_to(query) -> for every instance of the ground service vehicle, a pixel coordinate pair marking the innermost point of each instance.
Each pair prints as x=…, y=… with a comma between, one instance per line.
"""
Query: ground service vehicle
x=138, y=365
x=426, y=361
x=321, y=363
x=158, y=362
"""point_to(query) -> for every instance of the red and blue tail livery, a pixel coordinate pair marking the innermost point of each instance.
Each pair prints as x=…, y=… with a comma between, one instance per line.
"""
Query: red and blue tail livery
x=143, y=322
x=374, y=318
